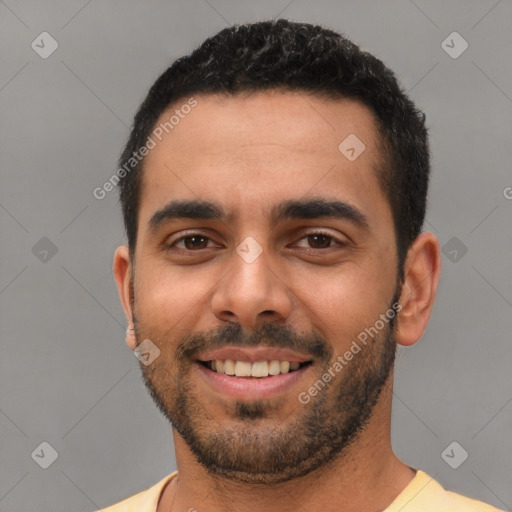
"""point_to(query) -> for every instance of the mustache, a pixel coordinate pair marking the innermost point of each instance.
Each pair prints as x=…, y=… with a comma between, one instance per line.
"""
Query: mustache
x=268, y=335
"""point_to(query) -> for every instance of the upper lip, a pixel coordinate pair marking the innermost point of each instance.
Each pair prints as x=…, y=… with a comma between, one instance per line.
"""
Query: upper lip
x=253, y=354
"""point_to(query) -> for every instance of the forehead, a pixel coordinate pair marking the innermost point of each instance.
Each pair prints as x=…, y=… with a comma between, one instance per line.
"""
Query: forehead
x=250, y=150
x=301, y=121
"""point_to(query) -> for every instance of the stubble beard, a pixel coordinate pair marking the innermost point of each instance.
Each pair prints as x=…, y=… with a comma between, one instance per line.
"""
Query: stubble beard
x=256, y=448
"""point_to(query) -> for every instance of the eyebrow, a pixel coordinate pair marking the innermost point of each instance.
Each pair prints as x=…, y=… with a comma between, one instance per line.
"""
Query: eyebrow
x=286, y=210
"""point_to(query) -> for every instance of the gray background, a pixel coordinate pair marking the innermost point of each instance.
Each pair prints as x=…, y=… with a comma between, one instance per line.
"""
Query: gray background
x=66, y=376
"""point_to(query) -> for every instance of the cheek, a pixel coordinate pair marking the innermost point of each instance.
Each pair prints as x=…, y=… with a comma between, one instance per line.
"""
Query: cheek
x=346, y=300
x=165, y=297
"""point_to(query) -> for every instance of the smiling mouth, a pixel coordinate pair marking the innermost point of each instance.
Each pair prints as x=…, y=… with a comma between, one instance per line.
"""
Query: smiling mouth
x=258, y=369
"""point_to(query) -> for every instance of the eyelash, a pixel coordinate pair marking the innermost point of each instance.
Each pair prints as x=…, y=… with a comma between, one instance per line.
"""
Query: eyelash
x=339, y=243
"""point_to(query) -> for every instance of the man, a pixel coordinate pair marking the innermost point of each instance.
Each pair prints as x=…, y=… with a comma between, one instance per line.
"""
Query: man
x=273, y=190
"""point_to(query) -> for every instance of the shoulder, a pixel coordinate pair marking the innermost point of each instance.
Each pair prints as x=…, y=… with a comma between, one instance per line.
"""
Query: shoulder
x=144, y=501
x=425, y=494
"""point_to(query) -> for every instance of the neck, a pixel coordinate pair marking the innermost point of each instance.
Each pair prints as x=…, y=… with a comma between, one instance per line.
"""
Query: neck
x=367, y=476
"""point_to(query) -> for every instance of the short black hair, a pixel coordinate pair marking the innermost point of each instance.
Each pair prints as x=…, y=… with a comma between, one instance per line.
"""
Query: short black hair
x=293, y=56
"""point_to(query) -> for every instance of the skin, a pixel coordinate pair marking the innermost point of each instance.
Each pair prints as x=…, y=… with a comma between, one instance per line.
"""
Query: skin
x=248, y=153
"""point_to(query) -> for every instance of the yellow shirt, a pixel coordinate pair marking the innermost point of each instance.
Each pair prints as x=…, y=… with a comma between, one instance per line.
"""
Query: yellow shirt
x=423, y=494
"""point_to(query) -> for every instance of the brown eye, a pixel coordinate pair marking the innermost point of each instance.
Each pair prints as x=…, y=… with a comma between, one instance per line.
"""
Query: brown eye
x=319, y=241
x=190, y=243
x=194, y=242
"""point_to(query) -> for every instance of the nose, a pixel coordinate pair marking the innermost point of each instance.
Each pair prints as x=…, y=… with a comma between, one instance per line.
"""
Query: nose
x=252, y=292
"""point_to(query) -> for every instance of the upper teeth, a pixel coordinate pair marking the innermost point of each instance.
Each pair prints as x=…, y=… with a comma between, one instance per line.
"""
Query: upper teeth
x=256, y=369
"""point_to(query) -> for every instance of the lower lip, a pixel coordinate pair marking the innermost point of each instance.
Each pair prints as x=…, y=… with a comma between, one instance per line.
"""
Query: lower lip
x=251, y=387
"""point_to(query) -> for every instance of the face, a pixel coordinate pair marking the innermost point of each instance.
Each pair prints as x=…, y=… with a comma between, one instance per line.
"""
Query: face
x=263, y=249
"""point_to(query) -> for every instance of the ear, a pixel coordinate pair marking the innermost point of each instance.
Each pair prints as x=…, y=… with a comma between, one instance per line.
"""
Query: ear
x=122, y=269
x=421, y=276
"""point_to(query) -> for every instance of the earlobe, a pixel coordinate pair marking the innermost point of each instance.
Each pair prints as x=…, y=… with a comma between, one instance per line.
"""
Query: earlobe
x=122, y=269
x=131, y=339
x=421, y=276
